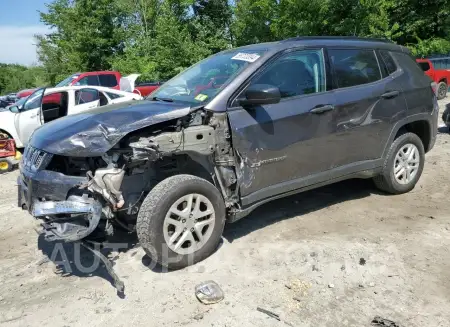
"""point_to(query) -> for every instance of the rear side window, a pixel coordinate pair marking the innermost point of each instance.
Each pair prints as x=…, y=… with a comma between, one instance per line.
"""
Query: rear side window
x=389, y=63
x=113, y=96
x=86, y=96
x=88, y=80
x=108, y=80
x=424, y=65
x=354, y=66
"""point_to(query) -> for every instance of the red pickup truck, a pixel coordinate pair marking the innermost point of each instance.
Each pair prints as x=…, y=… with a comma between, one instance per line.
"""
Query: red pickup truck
x=104, y=78
x=438, y=72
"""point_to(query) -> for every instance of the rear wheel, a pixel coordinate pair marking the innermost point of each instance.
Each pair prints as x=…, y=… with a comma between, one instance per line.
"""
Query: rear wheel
x=181, y=221
x=5, y=165
x=403, y=165
x=442, y=90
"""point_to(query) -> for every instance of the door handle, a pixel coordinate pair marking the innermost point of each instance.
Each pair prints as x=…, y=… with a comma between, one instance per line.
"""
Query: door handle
x=34, y=116
x=322, y=109
x=390, y=95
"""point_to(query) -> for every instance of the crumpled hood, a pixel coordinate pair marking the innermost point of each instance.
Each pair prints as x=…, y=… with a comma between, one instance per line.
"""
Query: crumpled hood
x=94, y=132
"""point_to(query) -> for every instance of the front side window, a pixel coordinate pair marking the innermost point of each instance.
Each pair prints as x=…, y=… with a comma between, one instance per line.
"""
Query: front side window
x=86, y=96
x=88, y=80
x=354, y=67
x=34, y=100
x=203, y=81
x=296, y=73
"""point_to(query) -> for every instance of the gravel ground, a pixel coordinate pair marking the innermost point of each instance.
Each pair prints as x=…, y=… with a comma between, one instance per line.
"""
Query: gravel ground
x=335, y=256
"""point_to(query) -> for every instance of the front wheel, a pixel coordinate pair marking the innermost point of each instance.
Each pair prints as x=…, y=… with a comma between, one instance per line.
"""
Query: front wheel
x=181, y=221
x=403, y=165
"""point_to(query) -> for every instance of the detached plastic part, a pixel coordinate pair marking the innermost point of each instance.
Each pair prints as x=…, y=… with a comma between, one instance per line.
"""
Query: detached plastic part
x=209, y=292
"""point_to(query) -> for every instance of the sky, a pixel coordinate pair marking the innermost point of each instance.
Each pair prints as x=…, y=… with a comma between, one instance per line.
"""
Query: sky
x=19, y=21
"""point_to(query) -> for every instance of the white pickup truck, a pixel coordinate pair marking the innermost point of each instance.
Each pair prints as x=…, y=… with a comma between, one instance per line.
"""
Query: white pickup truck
x=47, y=104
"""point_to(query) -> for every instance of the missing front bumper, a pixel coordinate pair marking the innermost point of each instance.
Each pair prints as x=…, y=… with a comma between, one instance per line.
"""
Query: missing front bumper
x=70, y=220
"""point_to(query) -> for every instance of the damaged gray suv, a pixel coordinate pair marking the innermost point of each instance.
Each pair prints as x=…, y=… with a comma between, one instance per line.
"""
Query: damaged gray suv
x=236, y=130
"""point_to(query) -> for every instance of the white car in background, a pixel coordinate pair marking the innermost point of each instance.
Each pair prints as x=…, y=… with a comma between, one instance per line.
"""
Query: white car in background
x=47, y=104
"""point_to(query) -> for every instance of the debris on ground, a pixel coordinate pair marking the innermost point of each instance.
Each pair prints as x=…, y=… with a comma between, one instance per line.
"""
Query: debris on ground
x=362, y=261
x=331, y=285
x=209, y=292
x=269, y=313
x=198, y=316
x=381, y=322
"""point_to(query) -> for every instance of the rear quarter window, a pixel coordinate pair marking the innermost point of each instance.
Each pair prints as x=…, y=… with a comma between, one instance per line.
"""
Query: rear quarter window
x=113, y=96
x=424, y=65
x=354, y=67
x=388, y=61
x=407, y=62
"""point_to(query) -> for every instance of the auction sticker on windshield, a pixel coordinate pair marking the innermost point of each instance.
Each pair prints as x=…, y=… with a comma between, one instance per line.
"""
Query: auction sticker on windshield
x=201, y=97
x=249, y=57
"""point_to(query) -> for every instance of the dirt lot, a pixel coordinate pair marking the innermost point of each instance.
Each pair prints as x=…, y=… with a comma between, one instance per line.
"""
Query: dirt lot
x=335, y=256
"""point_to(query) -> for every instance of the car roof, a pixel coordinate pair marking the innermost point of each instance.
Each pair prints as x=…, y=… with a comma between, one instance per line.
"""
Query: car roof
x=323, y=41
x=79, y=87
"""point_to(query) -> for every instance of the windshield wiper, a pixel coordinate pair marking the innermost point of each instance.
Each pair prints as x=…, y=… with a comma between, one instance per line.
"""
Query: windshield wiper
x=162, y=99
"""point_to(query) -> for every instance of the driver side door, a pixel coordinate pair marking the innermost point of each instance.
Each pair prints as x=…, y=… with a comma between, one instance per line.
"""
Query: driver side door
x=285, y=146
x=28, y=119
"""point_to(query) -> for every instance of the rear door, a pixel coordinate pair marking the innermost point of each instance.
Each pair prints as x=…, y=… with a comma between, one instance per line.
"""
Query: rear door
x=85, y=99
x=27, y=120
x=366, y=103
x=281, y=144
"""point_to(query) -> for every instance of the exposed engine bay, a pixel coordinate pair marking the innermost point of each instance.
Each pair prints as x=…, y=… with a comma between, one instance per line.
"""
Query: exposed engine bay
x=115, y=184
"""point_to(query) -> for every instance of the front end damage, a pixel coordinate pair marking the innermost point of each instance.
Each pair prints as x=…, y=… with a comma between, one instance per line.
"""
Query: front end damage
x=87, y=198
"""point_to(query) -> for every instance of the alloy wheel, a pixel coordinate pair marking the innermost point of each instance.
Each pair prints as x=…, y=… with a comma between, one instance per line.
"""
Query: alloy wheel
x=406, y=164
x=189, y=223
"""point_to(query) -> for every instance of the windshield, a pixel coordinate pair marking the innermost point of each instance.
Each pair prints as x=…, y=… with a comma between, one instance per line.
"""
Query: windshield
x=67, y=81
x=203, y=81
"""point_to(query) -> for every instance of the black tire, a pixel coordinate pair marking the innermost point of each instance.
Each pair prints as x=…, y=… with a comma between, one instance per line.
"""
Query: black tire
x=386, y=180
x=442, y=89
x=445, y=116
x=5, y=165
x=154, y=208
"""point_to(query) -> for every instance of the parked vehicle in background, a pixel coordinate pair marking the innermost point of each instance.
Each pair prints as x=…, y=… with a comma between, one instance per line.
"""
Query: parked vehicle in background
x=25, y=93
x=48, y=104
x=111, y=79
x=144, y=87
x=441, y=76
x=290, y=116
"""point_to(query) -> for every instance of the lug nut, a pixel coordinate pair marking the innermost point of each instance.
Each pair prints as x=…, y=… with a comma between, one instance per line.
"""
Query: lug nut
x=192, y=230
x=183, y=221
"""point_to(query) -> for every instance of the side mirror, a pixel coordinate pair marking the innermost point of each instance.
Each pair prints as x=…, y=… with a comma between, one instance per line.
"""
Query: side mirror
x=260, y=94
x=14, y=109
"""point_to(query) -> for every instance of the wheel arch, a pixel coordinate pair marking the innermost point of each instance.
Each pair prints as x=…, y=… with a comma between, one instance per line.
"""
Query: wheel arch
x=2, y=130
x=418, y=124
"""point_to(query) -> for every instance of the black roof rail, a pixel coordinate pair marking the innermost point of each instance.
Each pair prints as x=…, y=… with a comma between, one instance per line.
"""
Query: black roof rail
x=349, y=38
